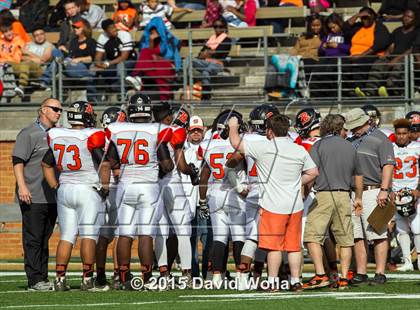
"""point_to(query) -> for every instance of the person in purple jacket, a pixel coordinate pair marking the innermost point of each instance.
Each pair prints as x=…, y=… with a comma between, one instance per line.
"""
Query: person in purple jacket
x=335, y=44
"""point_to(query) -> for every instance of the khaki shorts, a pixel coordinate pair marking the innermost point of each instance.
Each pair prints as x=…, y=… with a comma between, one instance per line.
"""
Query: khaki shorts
x=332, y=210
x=369, y=204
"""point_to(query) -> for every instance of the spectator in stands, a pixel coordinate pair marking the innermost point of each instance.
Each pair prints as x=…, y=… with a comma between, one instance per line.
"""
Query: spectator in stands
x=154, y=8
x=249, y=14
x=114, y=52
x=231, y=18
x=33, y=14
x=72, y=10
x=159, y=59
x=387, y=70
x=36, y=54
x=125, y=16
x=210, y=60
x=318, y=6
x=297, y=3
x=394, y=10
x=80, y=56
x=350, y=3
x=5, y=4
x=213, y=13
x=308, y=43
x=335, y=44
x=7, y=18
x=92, y=13
x=188, y=4
x=370, y=38
x=11, y=51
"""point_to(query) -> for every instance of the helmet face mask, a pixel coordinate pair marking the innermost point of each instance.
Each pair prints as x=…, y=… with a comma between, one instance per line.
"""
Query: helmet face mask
x=405, y=202
x=112, y=115
x=373, y=113
x=222, y=120
x=81, y=113
x=307, y=120
x=258, y=117
x=181, y=117
x=414, y=118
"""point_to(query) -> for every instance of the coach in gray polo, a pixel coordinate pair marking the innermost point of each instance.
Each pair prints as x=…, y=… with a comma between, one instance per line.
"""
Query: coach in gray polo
x=375, y=156
x=36, y=198
x=337, y=163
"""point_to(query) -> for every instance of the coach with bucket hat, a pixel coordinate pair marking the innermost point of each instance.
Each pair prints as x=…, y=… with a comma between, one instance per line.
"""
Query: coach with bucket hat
x=375, y=156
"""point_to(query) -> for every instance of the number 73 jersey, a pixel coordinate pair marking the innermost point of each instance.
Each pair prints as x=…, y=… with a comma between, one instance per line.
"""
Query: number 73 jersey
x=72, y=153
x=406, y=170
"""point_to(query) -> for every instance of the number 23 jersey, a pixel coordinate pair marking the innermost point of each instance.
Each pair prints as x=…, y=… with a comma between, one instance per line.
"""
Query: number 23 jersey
x=406, y=170
x=72, y=153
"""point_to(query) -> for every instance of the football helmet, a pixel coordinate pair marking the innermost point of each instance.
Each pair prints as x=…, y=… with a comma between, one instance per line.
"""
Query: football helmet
x=139, y=106
x=181, y=117
x=306, y=120
x=259, y=115
x=373, y=113
x=405, y=202
x=81, y=113
x=222, y=120
x=414, y=118
x=112, y=115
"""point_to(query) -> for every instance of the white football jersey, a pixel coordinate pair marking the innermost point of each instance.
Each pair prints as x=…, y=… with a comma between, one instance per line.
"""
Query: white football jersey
x=137, y=144
x=215, y=153
x=250, y=163
x=72, y=152
x=406, y=170
x=295, y=137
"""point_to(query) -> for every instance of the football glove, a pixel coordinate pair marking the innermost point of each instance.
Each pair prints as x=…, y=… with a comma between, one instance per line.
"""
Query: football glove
x=102, y=192
x=195, y=177
x=203, y=209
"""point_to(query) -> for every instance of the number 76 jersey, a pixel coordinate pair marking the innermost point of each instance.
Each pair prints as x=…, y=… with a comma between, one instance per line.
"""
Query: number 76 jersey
x=406, y=170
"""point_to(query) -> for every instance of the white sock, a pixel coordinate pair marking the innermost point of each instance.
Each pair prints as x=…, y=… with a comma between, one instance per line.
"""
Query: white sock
x=293, y=281
x=161, y=251
x=417, y=243
x=271, y=280
x=404, y=240
x=184, y=251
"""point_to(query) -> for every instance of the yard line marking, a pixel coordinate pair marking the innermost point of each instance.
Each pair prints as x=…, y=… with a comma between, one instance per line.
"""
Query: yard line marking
x=264, y=295
x=86, y=305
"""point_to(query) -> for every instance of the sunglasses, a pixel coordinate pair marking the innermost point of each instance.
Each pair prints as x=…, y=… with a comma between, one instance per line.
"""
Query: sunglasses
x=218, y=26
x=55, y=109
x=75, y=27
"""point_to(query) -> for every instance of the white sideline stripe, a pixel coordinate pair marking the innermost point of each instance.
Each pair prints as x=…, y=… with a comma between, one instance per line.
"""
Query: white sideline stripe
x=87, y=305
x=395, y=296
x=70, y=273
x=280, y=294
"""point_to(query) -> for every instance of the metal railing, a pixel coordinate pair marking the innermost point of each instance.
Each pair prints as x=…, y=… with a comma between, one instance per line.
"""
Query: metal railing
x=242, y=76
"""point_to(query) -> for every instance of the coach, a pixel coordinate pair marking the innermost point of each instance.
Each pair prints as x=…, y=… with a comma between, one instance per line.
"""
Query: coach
x=375, y=157
x=282, y=167
x=337, y=164
x=36, y=198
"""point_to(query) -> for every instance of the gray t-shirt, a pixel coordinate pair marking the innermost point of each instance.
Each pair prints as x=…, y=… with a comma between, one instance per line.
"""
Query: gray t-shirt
x=373, y=152
x=31, y=146
x=39, y=49
x=337, y=163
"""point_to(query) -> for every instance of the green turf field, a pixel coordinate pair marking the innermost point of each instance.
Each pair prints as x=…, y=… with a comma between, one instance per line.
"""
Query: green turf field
x=400, y=293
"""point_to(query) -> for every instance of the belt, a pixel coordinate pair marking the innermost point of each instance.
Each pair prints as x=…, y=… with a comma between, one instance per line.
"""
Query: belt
x=334, y=190
x=369, y=187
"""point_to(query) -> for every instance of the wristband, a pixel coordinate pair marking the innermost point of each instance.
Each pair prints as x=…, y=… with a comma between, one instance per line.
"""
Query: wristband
x=107, y=64
x=384, y=189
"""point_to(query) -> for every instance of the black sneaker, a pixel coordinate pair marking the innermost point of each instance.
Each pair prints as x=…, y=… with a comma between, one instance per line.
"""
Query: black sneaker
x=101, y=283
x=378, y=279
x=359, y=279
x=297, y=287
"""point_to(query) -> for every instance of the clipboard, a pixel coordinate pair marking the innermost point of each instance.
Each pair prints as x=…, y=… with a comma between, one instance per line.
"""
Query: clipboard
x=380, y=217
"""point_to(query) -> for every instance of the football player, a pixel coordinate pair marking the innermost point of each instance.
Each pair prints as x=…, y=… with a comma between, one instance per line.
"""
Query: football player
x=108, y=232
x=222, y=202
x=250, y=251
x=139, y=149
x=177, y=212
x=405, y=185
x=375, y=117
x=77, y=153
x=414, y=118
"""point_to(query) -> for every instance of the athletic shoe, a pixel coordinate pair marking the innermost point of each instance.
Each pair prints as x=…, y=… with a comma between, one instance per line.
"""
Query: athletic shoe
x=116, y=282
x=343, y=284
x=126, y=286
x=60, y=285
x=40, y=286
x=19, y=91
x=382, y=91
x=358, y=279
x=187, y=278
x=317, y=282
x=135, y=81
x=359, y=92
x=407, y=266
x=350, y=275
x=378, y=279
x=217, y=280
x=87, y=284
x=101, y=284
x=243, y=281
x=297, y=287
